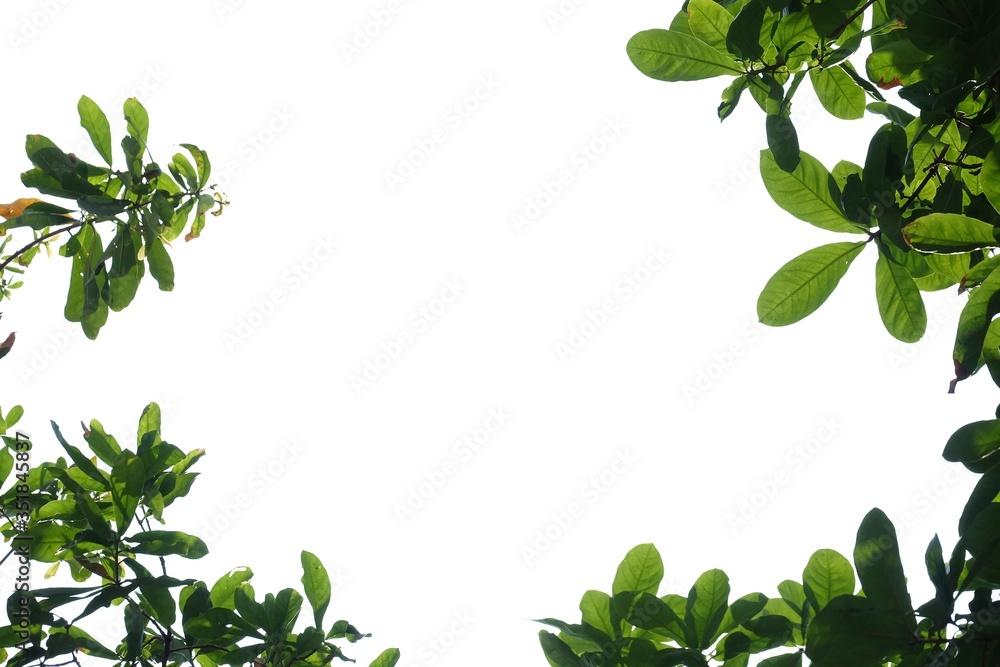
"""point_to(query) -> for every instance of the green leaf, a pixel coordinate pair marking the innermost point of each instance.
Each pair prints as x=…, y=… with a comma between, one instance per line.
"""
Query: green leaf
x=96, y=124
x=595, y=607
x=181, y=164
x=709, y=22
x=557, y=651
x=168, y=542
x=785, y=660
x=160, y=265
x=224, y=590
x=137, y=120
x=827, y=575
x=640, y=570
x=674, y=56
x=201, y=162
x=899, y=302
x=973, y=442
x=802, y=285
x=989, y=176
x=389, y=658
x=973, y=324
x=746, y=34
x=890, y=111
x=838, y=93
x=783, y=141
x=706, y=606
x=127, y=479
x=251, y=610
x=808, y=192
x=895, y=64
x=876, y=556
x=851, y=631
x=316, y=583
x=949, y=233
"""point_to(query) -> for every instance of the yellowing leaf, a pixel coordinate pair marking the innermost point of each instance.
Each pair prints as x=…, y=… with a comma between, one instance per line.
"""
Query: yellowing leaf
x=16, y=207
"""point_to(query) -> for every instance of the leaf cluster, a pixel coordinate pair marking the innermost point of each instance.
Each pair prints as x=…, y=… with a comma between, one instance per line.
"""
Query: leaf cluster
x=96, y=514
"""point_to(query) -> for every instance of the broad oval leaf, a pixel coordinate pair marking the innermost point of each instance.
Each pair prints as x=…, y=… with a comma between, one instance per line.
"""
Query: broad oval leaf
x=827, y=575
x=949, y=233
x=895, y=64
x=838, y=93
x=973, y=442
x=850, y=631
x=673, y=56
x=640, y=570
x=709, y=22
x=224, y=590
x=802, y=285
x=706, y=606
x=899, y=302
x=388, y=658
x=808, y=192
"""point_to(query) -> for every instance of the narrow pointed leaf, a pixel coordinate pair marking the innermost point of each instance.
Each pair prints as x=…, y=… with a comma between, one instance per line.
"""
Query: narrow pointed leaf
x=93, y=120
x=899, y=301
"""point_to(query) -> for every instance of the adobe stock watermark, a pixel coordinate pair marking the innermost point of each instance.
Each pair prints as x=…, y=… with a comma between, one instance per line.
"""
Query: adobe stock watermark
x=722, y=361
x=454, y=117
x=31, y=25
x=253, y=145
x=223, y=8
x=43, y=356
x=627, y=286
x=462, y=452
x=580, y=160
x=418, y=323
x=750, y=505
x=434, y=648
x=228, y=513
x=292, y=279
x=561, y=521
x=561, y=12
x=365, y=34
x=930, y=494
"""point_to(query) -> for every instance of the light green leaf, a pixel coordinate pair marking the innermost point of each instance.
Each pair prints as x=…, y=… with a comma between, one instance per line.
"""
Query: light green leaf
x=973, y=442
x=673, y=56
x=137, y=120
x=160, y=265
x=801, y=286
x=388, y=658
x=808, y=192
x=827, y=575
x=317, y=585
x=596, y=609
x=838, y=93
x=640, y=570
x=949, y=233
x=894, y=64
x=899, y=302
x=93, y=120
x=224, y=590
x=709, y=22
x=706, y=606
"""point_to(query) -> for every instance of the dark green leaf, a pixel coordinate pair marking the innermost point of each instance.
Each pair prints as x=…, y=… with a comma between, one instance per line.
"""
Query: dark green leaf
x=876, y=556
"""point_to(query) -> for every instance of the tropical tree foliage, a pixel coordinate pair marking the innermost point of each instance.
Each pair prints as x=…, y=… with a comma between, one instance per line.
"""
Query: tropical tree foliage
x=927, y=202
x=95, y=515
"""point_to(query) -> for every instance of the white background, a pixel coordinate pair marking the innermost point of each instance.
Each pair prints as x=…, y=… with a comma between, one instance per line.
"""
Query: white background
x=254, y=364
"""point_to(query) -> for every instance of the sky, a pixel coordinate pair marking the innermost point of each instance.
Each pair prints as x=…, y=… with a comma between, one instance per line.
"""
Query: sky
x=480, y=317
